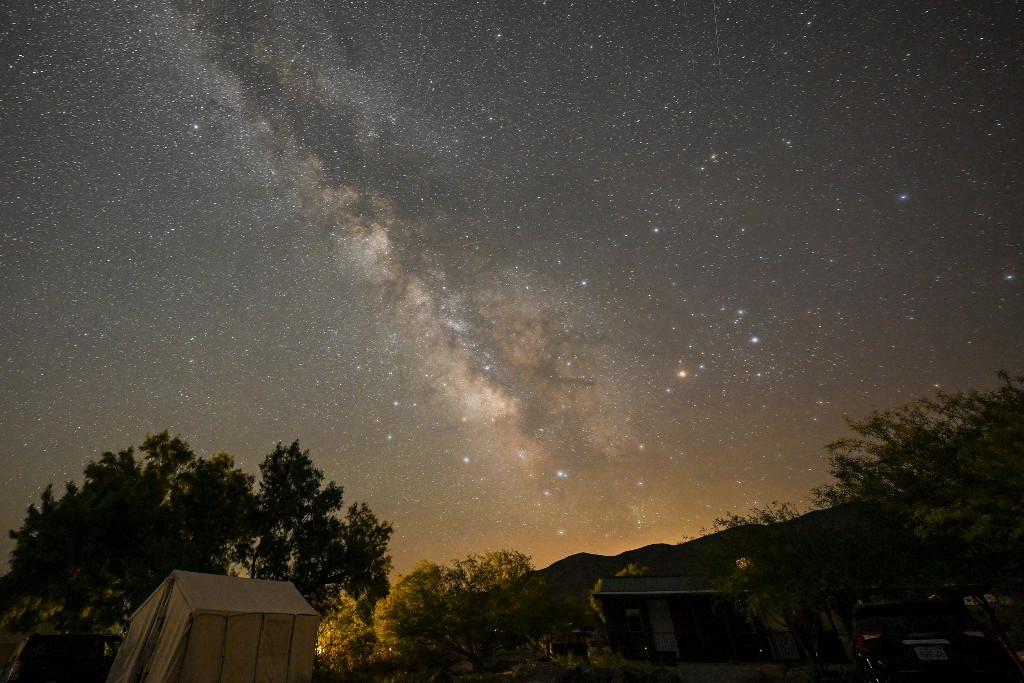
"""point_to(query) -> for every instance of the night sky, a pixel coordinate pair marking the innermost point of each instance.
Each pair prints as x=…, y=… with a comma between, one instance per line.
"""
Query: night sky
x=552, y=276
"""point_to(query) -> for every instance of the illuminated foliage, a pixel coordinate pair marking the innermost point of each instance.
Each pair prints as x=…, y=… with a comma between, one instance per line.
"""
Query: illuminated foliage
x=631, y=569
x=345, y=639
x=469, y=609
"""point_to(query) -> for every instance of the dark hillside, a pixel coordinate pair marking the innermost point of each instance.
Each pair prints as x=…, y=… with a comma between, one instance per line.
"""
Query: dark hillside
x=575, y=575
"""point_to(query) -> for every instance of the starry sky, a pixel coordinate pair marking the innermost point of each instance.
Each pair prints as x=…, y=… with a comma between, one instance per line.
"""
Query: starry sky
x=546, y=275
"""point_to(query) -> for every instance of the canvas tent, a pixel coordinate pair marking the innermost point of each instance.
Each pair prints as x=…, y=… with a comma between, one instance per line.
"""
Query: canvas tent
x=203, y=628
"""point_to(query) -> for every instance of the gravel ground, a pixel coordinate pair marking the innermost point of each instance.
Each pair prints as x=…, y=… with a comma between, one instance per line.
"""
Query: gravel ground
x=720, y=673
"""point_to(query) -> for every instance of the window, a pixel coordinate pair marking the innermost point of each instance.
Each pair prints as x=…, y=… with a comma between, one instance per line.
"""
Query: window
x=634, y=622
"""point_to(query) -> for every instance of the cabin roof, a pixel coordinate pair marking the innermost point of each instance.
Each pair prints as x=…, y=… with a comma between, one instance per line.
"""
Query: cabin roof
x=654, y=585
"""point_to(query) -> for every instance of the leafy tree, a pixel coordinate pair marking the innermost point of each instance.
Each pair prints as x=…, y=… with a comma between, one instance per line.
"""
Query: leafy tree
x=301, y=537
x=773, y=513
x=805, y=571
x=634, y=569
x=366, y=553
x=345, y=639
x=469, y=609
x=923, y=495
x=413, y=622
x=207, y=508
x=85, y=559
x=952, y=467
x=782, y=576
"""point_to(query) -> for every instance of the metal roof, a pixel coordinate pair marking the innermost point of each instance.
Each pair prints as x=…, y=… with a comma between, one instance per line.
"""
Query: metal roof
x=661, y=585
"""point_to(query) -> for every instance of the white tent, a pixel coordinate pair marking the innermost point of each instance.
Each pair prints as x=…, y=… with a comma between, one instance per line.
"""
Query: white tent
x=203, y=628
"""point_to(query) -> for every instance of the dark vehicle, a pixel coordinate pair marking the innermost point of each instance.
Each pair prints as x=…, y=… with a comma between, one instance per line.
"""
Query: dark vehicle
x=62, y=658
x=929, y=641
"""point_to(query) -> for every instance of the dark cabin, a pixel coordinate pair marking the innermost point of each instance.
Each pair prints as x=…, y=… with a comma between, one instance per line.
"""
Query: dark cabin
x=679, y=618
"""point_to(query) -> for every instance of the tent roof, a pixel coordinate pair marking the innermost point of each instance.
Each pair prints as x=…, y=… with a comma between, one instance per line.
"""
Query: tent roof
x=209, y=593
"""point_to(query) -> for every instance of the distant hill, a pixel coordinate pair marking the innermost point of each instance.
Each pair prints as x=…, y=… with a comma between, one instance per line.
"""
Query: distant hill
x=575, y=575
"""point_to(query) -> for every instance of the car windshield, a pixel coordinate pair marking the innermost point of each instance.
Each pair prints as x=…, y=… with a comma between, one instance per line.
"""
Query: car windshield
x=914, y=618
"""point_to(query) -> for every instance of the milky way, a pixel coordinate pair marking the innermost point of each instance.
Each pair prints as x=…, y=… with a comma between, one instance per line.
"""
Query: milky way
x=550, y=276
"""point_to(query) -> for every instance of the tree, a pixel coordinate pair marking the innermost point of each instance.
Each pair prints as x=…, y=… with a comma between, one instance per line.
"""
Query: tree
x=413, y=623
x=923, y=495
x=85, y=559
x=951, y=467
x=366, y=554
x=345, y=637
x=802, y=570
x=783, y=575
x=207, y=508
x=301, y=538
x=437, y=614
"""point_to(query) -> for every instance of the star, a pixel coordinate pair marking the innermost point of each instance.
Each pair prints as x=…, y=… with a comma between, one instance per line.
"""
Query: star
x=405, y=242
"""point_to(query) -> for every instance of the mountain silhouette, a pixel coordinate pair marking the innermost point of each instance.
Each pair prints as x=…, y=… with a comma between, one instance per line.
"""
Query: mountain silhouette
x=575, y=575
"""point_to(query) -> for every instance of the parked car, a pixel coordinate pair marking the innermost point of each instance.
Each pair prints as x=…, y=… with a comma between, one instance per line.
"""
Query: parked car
x=933, y=641
x=62, y=658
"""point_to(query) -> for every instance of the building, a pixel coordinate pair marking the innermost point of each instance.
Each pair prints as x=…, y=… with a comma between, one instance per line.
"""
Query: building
x=680, y=618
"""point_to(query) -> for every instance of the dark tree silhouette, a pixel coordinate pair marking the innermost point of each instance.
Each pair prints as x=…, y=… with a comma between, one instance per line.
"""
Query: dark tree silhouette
x=300, y=535
x=85, y=559
x=951, y=468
